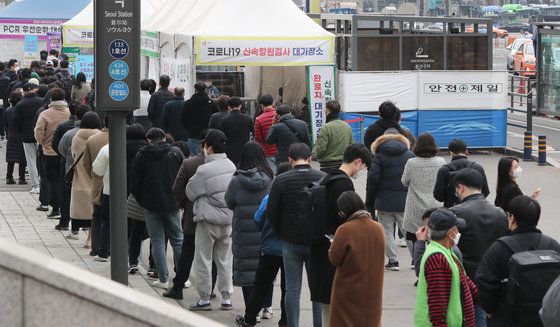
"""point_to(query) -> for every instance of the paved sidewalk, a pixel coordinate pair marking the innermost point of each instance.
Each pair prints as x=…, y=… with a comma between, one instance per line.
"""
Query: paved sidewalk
x=20, y=222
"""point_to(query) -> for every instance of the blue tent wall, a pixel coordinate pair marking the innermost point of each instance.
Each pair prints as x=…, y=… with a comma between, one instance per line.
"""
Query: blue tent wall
x=43, y=9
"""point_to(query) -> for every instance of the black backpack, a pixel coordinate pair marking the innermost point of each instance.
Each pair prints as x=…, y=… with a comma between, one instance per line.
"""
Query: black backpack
x=451, y=179
x=312, y=211
x=531, y=272
x=66, y=80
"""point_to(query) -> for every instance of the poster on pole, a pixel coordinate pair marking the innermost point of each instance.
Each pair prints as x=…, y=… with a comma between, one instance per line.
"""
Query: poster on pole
x=321, y=83
x=53, y=41
x=149, y=44
x=84, y=64
x=178, y=71
x=30, y=50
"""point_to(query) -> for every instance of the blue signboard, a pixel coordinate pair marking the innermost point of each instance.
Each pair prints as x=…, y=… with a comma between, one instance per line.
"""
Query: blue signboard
x=30, y=43
x=85, y=65
x=118, y=91
x=118, y=70
x=118, y=49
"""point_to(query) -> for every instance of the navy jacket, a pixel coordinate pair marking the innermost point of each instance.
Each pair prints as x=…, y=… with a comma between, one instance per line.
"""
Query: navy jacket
x=171, y=120
x=270, y=243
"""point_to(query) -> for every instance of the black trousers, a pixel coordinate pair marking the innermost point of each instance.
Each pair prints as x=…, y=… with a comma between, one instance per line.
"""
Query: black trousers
x=65, y=194
x=138, y=233
x=10, y=171
x=44, y=185
x=52, y=165
x=264, y=277
x=248, y=290
x=96, y=229
x=183, y=267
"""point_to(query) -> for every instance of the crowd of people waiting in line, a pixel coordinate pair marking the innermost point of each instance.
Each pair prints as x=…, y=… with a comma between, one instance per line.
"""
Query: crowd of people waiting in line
x=238, y=197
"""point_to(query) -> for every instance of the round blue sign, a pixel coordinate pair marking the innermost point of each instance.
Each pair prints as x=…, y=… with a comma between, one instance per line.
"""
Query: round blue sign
x=118, y=69
x=118, y=49
x=118, y=91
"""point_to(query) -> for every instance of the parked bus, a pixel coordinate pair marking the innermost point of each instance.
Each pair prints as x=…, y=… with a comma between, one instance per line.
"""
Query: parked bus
x=498, y=15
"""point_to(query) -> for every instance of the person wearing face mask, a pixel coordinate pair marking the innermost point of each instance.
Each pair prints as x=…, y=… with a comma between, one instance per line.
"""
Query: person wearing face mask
x=211, y=90
x=485, y=224
x=357, y=159
x=445, y=294
x=419, y=176
x=508, y=172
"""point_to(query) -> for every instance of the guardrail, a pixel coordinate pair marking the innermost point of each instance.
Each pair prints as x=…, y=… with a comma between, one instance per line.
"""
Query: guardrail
x=521, y=94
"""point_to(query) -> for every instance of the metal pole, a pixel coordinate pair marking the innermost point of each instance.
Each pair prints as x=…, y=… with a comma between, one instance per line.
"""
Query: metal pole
x=542, y=150
x=512, y=89
x=528, y=146
x=117, y=164
x=530, y=110
x=362, y=129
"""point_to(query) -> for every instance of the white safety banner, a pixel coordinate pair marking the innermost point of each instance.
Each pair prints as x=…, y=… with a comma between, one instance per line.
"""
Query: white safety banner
x=264, y=51
x=178, y=70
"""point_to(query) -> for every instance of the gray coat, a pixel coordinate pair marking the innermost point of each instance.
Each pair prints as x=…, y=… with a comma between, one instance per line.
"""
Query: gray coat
x=65, y=145
x=419, y=176
x=207, y=188
x=243, y=196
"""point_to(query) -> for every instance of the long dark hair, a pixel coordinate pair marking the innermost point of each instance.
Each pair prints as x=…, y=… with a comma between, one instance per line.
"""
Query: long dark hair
x=350, y=202
x=252, y=155
x=504, y=178
x=80, y=78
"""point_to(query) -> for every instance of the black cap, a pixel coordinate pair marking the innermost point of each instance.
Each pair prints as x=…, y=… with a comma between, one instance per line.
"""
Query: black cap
x=215, y=137
x=29, y=87
x=444, y=219
x=283, y=110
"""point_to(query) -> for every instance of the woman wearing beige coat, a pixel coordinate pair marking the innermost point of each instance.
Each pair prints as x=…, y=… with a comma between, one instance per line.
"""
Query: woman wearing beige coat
x=81, y=208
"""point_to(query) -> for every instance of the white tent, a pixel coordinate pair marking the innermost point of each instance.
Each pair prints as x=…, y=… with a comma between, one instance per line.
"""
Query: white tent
x=78, y=31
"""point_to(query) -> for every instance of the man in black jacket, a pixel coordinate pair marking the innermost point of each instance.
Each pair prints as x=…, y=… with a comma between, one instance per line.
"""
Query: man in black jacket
x=282, y=213
x=356, y=159
x=13, y=66
x=196, y=115
x=524, y=214
x=237, y=127
x=485, y=224
x=153, y=173
x=387, y=119
x=286, y=131
x=23, y=122
x=444, y=185
x=171, y=119
x=158, y=100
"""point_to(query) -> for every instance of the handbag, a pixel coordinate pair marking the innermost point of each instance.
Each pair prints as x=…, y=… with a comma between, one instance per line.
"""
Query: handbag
x=69, y=176
x=133, y=209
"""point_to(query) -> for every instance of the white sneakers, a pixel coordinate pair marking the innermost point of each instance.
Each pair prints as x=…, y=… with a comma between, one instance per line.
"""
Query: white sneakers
x=267, y=313
x=73, y=236
x=159, y=284
x=35, y=190
x=188, y=284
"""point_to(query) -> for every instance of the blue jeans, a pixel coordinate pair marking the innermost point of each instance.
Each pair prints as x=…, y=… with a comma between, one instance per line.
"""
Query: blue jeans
x=479, y=316
x=295, y=256
x=194, y=146
x=272, y=163
x=159, y=223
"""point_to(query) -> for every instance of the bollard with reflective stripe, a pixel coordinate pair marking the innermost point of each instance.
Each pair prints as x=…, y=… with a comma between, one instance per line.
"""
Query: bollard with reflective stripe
x=528, y=146
x=542, y=150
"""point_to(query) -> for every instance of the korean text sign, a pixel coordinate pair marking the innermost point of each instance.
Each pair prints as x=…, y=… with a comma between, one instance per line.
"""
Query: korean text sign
x=85, y=65
x=322, y=88
x=264, y=51
x=30, y=49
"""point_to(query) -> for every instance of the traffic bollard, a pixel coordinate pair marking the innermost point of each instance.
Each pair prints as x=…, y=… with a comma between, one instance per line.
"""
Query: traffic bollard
x=542, y=150
x=528, y=146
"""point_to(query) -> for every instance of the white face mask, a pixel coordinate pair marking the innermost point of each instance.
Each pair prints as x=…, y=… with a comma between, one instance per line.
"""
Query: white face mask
x=205, y=152
x=16, y=69
x=517, y=173
x=456, y=238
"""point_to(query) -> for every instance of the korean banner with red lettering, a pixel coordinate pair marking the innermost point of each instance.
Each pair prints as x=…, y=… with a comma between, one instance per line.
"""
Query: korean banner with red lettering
x=264, y=51
x=77, y=36
x=322, y=88
x=19, y=28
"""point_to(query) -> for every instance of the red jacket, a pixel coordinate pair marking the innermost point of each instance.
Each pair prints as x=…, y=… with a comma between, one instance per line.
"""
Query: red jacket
x=262, y=125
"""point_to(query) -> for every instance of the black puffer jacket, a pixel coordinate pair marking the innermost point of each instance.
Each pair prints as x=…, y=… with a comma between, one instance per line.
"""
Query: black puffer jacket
x=494, y=268
x=385, y=190
x=24, y=116
x=132, y=148
x=485, y=224
x=155, y=106
x=154, y=170
x=244, y=195
x=196, y=113
x=443, y=179
x=14, y=146
x=290, y=130
x=282, y=207
x=237, y=127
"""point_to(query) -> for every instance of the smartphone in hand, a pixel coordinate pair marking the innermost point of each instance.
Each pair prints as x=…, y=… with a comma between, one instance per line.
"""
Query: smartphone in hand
x=329, y=236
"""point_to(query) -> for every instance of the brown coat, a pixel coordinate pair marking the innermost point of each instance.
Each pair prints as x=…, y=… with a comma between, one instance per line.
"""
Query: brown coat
x=93, y=145
x=80, y=201
x=187, y=170
x=46, y=125
x=358, y=252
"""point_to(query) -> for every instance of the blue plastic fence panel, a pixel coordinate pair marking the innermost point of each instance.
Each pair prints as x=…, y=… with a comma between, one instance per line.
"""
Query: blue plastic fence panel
x=409, y=120
x=478, y=128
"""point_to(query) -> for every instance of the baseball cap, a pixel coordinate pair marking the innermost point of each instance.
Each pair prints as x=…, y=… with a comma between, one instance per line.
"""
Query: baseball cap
x=34, y=81
x=215, y=137
x=49, y=63
x=29, y=86
x=444, y=219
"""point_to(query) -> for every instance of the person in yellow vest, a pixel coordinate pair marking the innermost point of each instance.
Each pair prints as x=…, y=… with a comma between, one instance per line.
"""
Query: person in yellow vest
x=445, y=295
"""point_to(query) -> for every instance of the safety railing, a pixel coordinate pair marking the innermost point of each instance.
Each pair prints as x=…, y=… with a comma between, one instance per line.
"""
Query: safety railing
x=521, y=97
